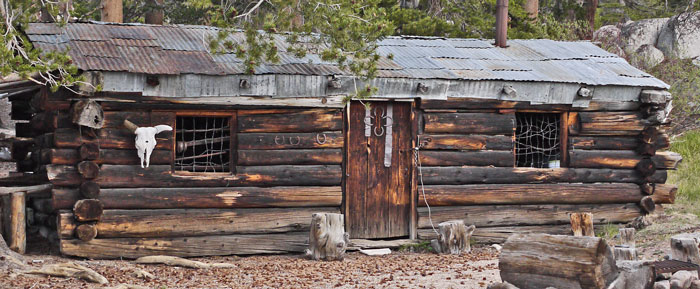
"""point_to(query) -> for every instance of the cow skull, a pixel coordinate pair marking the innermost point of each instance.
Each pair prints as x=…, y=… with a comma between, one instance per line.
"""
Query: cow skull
x=145, y=139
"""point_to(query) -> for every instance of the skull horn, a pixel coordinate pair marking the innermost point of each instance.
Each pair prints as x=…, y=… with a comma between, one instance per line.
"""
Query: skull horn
x=130, y=125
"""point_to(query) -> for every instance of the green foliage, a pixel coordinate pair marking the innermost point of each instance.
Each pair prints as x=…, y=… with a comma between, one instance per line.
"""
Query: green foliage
x=688, y=173
x=684, y=78
x=608, y=231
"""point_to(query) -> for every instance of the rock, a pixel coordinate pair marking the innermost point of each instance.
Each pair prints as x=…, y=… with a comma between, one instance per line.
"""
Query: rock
x=683, y=279
x=695, y=284
x=642, y=32
x=607, y=34
x=502, y=285
x=696, y=61
x=634, y=275
x=647, y=56
x=664, y=284
x=680, y=37
x=376, y=252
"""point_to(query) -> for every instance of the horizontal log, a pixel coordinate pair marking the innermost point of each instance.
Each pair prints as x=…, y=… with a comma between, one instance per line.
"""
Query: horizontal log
x=664, y=194
x=115, y=119
x=24, y=179
x=505, y=194
x=466, y=142
x=604, y=142
x=492, y=235
x=132, y=248
x=108, y=138
x=290, y=120
x=194, y=222
x=469, y=123
x=36, y=191
x=216, y=197
x=476, y=103
x=467, y=158
x=619, y=159
x=610, y=123
x=290, y=157
x=487, y=175
x=106, y=156
x=278, y=141
x=527, y=215
x=126, y=176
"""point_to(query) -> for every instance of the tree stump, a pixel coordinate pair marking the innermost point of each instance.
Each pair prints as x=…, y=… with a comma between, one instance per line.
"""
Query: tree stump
x=684, y=247
x=453, y=238
x=535, y=261
x=582, y=224
x=625, y=253
x=327, y=239
x=627, y=237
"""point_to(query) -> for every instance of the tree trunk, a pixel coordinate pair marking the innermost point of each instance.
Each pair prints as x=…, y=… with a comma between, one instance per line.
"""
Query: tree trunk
x=538, y=261
x=112, y=11
x=154, y=14
x=454, y=238
x=532, y=7
x=327, y=238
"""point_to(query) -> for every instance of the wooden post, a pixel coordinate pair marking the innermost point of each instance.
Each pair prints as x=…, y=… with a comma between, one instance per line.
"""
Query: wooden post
x=327, y=239
x=684, y=247
x=14, y=219
x=582, y=224
x=453, y=238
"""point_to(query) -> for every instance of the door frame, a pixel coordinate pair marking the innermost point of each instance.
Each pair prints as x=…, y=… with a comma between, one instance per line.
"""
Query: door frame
x=415, y=123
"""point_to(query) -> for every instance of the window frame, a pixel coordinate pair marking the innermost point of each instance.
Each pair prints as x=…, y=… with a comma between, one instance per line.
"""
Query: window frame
x=233, y=144
x=565, y=119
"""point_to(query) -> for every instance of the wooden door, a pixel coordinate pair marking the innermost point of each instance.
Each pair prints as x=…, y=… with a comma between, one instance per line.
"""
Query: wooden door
x=378, y=175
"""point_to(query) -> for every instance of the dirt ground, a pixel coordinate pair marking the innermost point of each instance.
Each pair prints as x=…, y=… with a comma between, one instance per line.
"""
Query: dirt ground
x=398, y=270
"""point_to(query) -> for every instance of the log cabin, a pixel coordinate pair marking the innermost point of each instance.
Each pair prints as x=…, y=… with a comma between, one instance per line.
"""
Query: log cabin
x=510, y=139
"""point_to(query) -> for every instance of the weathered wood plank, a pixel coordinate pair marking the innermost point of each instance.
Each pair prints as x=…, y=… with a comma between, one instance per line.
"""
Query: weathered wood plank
x=466, y=142
x=620, y=159
x=127, y=176
x=527, y=215
x=108, y=138
x=194, y=222
x=467, y=158
x=14, y=220
x=106, y=156
x=469, y=123
x=290, y=157
x=476, y=103
x=132, y=248
x=214, y=197
x=279, y=141
x=506, y=194
x=290, y=120
x=486, y=175
x=610, y=123
x=492, y=235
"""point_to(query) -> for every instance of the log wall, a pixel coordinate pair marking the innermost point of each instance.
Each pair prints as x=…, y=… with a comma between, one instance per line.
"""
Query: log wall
x=611, y=162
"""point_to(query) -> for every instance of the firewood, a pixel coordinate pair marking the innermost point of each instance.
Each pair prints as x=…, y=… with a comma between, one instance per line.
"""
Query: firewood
x=70, y=270
x=582, y=224
x=327, y=238
x=454, y=238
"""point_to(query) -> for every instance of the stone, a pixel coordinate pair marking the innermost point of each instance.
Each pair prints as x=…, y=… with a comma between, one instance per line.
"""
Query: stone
x=643, y=32
x=695, y=284
x=502, y=285
x=680, y=37
x=607, y=34
x=647, y=56
x=376, y=252
x=663, y=284
x=683, y=279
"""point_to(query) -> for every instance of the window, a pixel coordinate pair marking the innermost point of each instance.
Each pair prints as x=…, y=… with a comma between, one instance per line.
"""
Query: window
x=203, y=144
x=538, y=140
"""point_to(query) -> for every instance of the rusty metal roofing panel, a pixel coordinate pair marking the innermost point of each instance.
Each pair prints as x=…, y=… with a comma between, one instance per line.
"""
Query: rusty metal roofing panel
x=130, y=32
x=96, y=48
x=176, y=38
x=134, y=42
x=469, y=43
x=388, y=64
x=149, y=60
x=42, y=28
x=48, y=38
x=196, y=62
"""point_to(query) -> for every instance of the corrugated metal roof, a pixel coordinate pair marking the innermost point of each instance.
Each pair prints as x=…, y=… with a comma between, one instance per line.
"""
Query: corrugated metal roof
x=183, y=49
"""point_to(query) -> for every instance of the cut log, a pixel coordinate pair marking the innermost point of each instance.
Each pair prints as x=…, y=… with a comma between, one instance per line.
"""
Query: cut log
x=647, y=188
x=194, y=222
x=620, y=159
x=454, y=238
x=88, y=169
x=625, y=253
x=123, y=176
x=280, y=141
x=684, y=247
x=469, y=123
x=664, y=194
x=610, y=123
x=626, y=237
x=327, y=237
x=582, y=224
x=290, y=157
x=186, y=246
x=667, y=160
x=90, y=190
x=15, y=222
x=467, y=158
x=512, y=215
x=89, y=151
x=485, y=175
x=104, y=156
x=647, y=204
x=86, y=232
x=507, y=194
x=88, y=210
x=216, y=197
x=538, y=261
x=646, y=167
x=466, y=142
x=108, y=138
x=290, y=120
x=87, y=113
